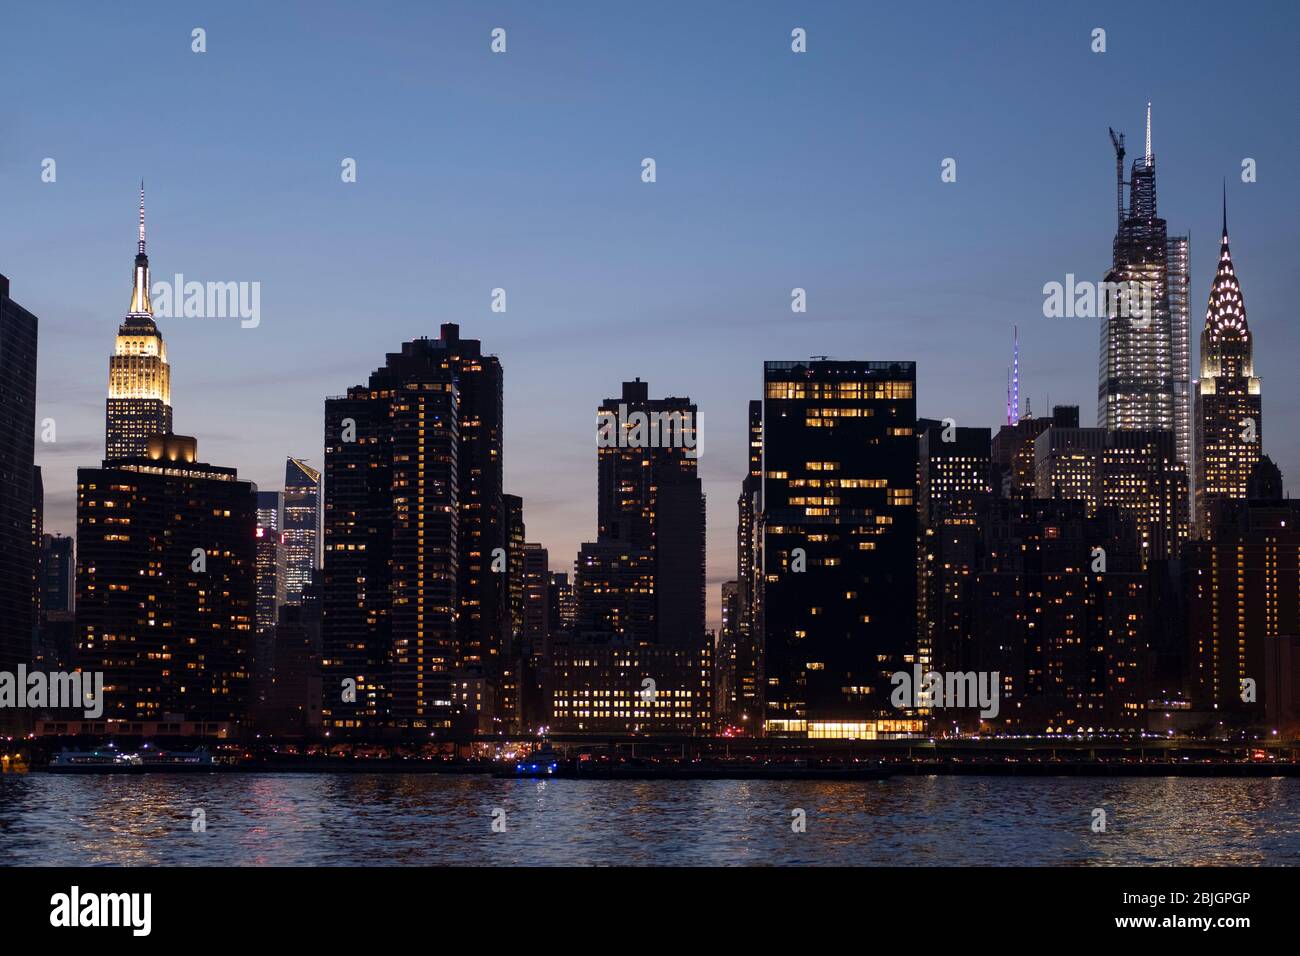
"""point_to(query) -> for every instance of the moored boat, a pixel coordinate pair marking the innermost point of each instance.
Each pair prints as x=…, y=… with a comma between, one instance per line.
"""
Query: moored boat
x=95, y=761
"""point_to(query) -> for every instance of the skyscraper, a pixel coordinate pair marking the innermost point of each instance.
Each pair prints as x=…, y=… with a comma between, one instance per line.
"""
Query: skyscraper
x=649, y=497
x=1229, y=421
x=58, y=573
x=270, y=559
x=515, y=574
x=17, y=450
x=1067, y=641
x=1143, y=356
x=747, y=693
x=301, y=527
x=1178, y=281
x=1243, y=600
x=955, y=482
x=839, y=546
x=166, y=585
x=391, y=528
x=640, y=585
x=1013, y=450
x=483, y=616
x=534, y=647
x=139, y=378
x=1135, y=472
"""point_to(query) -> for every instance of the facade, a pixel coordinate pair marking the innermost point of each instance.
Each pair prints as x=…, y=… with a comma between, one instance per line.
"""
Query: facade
x=1178, y=285
x=1229, y=419
x=538, y=619
x=270, y=559
x=1243, y=597
x=838, y=533
x=956, y=469
x=139, y=378
x=483, y=614
x=1135, y=472
x=564, y=604
x=1013, y=450
x=301, y=529
x=1067, y=639
x=621, y=688
x=293, y=699
x=391, y=549
x=747, y=714
x=17, y=495
x=58, y=573
x=166, y=584
x=515, y=574
x=724, y=661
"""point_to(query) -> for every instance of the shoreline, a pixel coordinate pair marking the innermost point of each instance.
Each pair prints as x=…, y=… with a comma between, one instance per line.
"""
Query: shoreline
x=765, y=773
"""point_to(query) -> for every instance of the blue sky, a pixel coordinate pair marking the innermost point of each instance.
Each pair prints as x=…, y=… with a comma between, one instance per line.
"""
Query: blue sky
x=522, y=171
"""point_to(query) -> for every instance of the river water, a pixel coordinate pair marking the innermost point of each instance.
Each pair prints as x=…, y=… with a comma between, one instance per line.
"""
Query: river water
x=411, y=819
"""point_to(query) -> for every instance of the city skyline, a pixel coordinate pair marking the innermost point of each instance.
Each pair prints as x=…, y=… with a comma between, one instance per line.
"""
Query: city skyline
x=674, y=264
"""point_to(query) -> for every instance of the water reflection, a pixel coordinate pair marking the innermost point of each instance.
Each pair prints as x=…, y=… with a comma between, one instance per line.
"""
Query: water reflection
x=331, y=820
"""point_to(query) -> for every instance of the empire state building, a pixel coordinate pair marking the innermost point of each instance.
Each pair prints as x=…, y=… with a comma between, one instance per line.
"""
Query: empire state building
x=139, y=378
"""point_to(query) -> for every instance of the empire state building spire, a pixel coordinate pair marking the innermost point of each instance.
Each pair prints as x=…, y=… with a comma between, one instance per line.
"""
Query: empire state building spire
x=140, y=304
x=139, y=378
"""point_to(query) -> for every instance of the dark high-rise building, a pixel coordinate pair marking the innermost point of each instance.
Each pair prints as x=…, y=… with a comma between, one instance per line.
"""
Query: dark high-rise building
x=270, y=558
x=615, y=591
x=139, y=378
x=1013, y=450
x=293, y=699
x=1136, y=472
x=955, y=483
x=639, y=658
x=515, y=546
x=536, y=600
x=838, y=543
x=1141, y=353
x=1243, y=594
x=301, y=527
x=36, y=551
x=1265, y=482
x=540, y=618
x=1229, y=420
x=391, y=527
x=564, y=604
x=1066, y=635
x=747, y=715
x=483, y=622
x=724, y=660
x=58, y=573
x=17, y=451
x=166, y=585
x=513, y=571
x=649, y=498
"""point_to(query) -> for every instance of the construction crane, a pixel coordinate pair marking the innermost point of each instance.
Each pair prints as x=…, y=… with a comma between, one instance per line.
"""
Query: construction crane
x=1117, y=140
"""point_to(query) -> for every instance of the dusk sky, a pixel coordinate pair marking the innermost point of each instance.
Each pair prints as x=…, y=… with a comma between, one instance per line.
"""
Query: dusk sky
x=522, y=171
